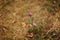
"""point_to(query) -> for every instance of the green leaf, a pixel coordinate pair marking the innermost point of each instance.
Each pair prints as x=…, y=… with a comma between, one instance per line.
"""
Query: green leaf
x=31, y=20
x=39, y=38
x=30, y=31
x=35, y=30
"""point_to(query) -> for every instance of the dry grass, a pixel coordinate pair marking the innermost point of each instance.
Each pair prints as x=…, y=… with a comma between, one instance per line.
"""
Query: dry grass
x=14, y=19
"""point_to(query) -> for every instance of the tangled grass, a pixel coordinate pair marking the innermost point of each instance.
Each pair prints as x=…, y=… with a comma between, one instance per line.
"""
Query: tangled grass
x=25, y=20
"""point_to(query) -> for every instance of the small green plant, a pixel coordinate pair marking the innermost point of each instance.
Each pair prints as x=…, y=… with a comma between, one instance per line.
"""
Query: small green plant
x=37, y=31
x=34, y=30
x=38, y=37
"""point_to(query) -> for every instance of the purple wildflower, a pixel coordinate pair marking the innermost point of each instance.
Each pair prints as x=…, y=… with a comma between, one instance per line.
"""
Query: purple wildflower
x=30, y=14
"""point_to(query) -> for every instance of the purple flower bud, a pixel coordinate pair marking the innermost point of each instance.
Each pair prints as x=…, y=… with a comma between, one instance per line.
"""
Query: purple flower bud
x=34, y=24
x=30, y=14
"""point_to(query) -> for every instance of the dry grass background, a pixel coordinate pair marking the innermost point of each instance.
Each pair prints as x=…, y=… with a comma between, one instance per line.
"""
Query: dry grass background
x=13, y=15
